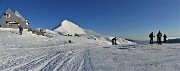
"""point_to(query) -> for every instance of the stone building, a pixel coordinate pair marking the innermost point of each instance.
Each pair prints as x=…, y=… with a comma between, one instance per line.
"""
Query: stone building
x=10, y=19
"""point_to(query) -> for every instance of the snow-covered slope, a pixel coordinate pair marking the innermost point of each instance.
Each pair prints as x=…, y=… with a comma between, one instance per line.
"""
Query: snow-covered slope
x=70, y=28
x=29, y=52
x=11, y=37
x=104, y=39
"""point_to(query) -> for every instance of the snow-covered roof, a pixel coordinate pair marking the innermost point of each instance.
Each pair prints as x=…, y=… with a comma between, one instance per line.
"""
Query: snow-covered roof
x=19, y=15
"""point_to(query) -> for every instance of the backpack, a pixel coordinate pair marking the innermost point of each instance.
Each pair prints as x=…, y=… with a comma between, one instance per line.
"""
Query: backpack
x=150, y=35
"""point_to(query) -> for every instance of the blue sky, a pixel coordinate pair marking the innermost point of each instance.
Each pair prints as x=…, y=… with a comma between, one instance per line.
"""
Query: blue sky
x=133, y=19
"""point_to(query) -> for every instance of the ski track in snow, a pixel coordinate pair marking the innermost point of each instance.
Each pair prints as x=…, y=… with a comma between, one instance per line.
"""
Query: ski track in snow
x=96, y=57
x=36, y=62
x=72, y=60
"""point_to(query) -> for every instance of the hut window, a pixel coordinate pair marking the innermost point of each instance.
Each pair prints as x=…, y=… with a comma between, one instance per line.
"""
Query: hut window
x=7, y=22
x=7, y=15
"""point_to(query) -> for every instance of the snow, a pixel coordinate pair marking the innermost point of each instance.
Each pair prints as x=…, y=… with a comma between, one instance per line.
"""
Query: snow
x=30, y=52
x=104, y=39
x=70, y=28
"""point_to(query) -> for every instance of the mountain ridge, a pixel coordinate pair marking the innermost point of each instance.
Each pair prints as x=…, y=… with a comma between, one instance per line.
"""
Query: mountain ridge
x=65, y=28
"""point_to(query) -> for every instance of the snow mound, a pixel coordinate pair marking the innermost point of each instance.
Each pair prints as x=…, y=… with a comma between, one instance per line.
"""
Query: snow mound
x=104, y=39
x=70, y=28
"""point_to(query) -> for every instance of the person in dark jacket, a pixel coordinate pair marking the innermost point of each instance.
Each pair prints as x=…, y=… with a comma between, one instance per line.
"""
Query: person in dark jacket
x=165, y=38
x=151, y=38
x=114, y=41
x=20, y=29
x=159, y=35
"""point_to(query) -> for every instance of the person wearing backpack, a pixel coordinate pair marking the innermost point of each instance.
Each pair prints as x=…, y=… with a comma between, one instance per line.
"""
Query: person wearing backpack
x=151, y=38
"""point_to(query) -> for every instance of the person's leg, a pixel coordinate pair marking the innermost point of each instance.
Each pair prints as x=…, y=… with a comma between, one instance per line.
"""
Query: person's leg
x=21, y=31
x=158, y=40
x=150, y=40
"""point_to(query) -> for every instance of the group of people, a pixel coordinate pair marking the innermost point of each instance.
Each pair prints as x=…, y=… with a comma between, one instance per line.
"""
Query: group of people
x=159, y=35
x=151, y=36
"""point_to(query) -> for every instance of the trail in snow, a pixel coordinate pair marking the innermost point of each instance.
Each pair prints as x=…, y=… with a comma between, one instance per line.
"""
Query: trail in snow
x=78, y=60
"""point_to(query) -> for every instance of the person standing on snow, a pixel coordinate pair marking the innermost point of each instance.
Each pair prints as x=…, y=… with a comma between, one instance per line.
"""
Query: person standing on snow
x=114, y=41
x=159, y=35
x=165, y=38
x=20, y=29
x=151, y=38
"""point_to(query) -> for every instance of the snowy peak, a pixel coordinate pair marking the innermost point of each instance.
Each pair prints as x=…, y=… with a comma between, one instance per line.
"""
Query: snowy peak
x=68, y=27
